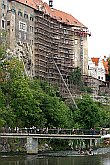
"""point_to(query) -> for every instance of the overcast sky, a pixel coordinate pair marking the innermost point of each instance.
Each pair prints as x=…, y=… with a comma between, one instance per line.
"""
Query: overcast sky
x=95, y=14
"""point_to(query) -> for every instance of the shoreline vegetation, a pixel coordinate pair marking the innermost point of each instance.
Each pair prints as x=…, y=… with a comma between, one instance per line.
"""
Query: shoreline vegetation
x=61, y=153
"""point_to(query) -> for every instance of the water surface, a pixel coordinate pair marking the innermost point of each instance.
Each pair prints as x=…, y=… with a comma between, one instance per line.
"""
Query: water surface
x=101, y=159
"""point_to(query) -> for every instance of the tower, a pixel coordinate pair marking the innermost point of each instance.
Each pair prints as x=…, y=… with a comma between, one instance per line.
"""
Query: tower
x=51, y=3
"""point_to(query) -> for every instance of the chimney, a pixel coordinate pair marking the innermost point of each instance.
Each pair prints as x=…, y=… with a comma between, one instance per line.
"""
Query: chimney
x=51, y=3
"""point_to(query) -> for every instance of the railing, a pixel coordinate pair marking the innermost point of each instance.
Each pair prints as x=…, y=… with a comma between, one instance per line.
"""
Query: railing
x=34, y=130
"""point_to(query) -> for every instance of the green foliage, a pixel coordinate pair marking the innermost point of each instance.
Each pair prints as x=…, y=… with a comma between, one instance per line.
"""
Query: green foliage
x=76, y=79
x=54, y=111
x=89, y=112
x=109, y=67
x=104, y=115
x=25, y=102
x=2, y=37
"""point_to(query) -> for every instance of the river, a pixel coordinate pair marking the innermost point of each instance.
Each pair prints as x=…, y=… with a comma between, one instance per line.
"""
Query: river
x=54, y=159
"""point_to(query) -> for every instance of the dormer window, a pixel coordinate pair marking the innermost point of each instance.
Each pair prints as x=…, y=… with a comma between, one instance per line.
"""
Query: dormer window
x=75, y=22
x=67, y=20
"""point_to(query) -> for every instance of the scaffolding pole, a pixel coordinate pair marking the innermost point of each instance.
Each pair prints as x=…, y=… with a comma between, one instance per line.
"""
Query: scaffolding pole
x=65, y=84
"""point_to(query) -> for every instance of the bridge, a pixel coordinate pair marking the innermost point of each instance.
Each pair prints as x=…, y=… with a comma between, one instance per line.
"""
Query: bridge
x=48, y=136
x=32, y=135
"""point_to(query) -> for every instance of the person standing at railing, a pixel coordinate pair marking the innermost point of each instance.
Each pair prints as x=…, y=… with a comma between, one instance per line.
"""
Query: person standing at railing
x=92, y=131
x=73, y=131
x=46, y=130
x=9, y=129
x=25, y=130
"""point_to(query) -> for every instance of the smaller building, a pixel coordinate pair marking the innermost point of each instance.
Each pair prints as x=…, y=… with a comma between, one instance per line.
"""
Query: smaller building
x=98, y=68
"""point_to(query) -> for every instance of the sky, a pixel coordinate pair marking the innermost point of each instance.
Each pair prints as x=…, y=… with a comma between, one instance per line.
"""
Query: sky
x=95, y=14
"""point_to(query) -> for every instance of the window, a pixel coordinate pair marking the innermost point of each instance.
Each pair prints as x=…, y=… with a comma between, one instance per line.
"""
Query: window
x=22, y=26
x=25, y=15
x=81, y=43
x=3, y=6
x=31, y=29
x=98, y=77
x=19, y=35
x=3, y=24
x=8, y=23
x=65, y=31
x=20, y=13
x=66, y=41
x=25, y=36
x=31, y=19
x=76, y=41
x=66, y=50
x=13, y=10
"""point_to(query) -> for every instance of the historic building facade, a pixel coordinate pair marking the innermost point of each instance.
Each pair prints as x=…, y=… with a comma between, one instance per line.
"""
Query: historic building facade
x=51, y=43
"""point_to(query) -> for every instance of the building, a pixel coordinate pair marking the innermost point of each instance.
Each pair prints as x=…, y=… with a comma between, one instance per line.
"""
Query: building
x=98, y=68
x=51, y=43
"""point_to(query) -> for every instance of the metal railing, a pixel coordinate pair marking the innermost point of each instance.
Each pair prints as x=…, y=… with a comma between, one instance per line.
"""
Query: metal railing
x=35, y=130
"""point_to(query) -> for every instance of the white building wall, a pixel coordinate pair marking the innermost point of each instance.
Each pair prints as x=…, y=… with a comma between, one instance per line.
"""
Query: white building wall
x=96, y=71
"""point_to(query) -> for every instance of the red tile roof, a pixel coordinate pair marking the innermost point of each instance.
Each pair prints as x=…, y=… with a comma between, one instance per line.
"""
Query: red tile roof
x=105, y=63
x=65, y=18
x=95, y=60
x=57, y=14
x=32, y=3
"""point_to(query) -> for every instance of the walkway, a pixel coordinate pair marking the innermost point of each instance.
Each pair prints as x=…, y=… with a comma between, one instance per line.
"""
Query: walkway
x=46, y=133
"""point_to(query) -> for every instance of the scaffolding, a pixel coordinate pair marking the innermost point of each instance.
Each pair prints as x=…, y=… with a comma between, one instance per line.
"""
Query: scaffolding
x=54, y=52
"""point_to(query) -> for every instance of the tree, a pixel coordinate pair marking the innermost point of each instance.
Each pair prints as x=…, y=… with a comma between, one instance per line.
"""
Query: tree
x=75, y=78
x=89, y=112
x=104, y=115
x=54, y=110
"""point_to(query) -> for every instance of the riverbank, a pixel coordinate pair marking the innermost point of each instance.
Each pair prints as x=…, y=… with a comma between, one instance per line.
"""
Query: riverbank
x=75, y=153
x=99, y=151
x=19, y=146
